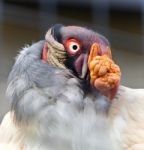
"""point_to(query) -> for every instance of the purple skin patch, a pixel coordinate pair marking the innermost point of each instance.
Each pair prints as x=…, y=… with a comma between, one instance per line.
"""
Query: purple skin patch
x=87, y=38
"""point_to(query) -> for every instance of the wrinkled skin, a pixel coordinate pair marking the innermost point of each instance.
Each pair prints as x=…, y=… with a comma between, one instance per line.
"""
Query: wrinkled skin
x=105, y=75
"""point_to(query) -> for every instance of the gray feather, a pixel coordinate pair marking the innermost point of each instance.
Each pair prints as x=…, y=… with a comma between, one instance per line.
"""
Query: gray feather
x=52, y=100
x=30, y=76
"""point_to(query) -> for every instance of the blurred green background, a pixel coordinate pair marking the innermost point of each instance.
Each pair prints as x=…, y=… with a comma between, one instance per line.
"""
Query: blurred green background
x=121, y=21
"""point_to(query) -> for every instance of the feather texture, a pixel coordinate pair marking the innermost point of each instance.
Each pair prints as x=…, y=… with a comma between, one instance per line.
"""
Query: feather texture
x=50, y=110
x=127, y=118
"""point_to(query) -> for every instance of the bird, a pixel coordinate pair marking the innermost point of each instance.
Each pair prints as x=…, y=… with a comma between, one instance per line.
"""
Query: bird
x=58, y=103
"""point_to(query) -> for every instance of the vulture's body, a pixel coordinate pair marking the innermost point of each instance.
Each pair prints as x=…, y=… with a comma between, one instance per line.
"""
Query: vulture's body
x=126, y=128
x=53, y=109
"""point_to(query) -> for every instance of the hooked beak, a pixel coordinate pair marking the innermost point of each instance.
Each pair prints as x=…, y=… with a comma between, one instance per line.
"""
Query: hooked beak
x=81, y=65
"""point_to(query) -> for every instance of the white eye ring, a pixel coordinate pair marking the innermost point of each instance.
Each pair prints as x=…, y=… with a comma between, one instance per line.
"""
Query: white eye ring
x=73, y=46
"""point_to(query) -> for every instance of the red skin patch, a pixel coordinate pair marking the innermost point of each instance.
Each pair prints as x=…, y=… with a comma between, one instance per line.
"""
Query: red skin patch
x=44, y=53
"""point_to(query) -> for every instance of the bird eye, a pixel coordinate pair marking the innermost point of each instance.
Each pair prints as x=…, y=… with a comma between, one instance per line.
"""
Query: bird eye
x=73, y=46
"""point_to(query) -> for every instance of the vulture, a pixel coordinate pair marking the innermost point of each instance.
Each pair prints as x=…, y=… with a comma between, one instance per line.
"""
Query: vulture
x=65, y=94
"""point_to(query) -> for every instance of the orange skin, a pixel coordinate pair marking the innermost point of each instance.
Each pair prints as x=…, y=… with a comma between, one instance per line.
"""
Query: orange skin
x=104, y=73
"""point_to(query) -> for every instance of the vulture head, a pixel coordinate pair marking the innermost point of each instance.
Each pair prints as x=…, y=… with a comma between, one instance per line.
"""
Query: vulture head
x=84, y=52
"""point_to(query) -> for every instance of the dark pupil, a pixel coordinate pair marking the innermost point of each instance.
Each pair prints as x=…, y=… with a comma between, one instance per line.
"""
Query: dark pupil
x=75, y=47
